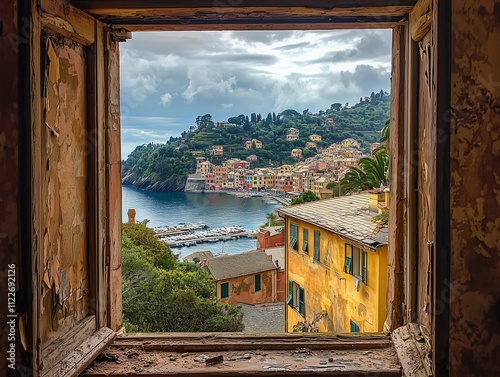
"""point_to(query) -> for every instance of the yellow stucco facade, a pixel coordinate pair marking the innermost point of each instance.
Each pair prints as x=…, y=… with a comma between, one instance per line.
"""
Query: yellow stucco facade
x=326, y=287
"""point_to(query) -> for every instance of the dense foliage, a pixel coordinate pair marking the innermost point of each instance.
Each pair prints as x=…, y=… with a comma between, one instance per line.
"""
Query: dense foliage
x=306, y=196
x=162, y=295
x=363, y=121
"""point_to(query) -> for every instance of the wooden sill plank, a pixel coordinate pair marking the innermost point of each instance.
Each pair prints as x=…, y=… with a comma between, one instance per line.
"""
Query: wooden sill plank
x=184, y=354
x=120, y=362
x=77, y=360
x=59, y=348
x=185, y=342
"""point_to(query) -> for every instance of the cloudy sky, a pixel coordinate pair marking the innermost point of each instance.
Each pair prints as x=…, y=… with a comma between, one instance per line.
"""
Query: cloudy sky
x=169, y=78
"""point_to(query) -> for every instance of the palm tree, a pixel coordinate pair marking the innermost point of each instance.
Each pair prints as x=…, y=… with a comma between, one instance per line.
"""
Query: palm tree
x=371, y=173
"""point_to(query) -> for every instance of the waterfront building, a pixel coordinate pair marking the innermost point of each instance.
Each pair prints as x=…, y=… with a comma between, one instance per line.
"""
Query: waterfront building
x=336, y=263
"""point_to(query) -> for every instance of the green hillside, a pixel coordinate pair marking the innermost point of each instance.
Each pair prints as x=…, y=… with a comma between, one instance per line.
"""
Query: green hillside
x=149, y=165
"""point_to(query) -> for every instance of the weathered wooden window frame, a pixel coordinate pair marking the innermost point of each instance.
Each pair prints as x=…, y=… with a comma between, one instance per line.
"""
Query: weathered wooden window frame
x=402, y=113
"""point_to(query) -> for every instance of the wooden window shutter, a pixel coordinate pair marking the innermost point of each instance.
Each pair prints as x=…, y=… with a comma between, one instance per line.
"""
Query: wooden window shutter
x=364, y=262
x=305, y=241
x=347, y=260
x=301, y=301
x=289, y=300
x=257, y=283
x=317, y=245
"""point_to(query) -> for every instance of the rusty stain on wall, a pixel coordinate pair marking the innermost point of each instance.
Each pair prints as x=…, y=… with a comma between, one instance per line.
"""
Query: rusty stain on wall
x=475, y=189
x=64, y=189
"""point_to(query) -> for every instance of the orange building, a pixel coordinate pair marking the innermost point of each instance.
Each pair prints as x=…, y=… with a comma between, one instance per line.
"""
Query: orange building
x=249, y=278
x=270, y=237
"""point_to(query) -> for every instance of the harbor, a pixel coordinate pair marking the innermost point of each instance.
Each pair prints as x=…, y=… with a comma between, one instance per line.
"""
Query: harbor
x=192, y=238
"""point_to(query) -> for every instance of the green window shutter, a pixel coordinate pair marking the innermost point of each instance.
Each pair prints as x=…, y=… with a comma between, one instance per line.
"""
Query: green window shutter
x=289, y=300
x=354, y=327
x=347, y=260
x=257, y=283
x=316, y=245
x=364, y=277
x=224, y=290
x=294, y=231
x=301, y=302
x=305, y=241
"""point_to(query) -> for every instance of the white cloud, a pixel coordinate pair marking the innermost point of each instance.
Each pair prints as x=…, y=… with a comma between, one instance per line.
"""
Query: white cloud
x=166, y=99
x=207, y=83
x=227, y=105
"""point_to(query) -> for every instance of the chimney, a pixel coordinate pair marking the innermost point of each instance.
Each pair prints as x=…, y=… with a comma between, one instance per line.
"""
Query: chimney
x=131, y=215
x=375, y=196
x=204, y=263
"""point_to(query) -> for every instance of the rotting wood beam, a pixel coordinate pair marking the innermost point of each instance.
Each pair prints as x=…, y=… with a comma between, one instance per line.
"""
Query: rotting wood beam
x=322, y=4
x=260, y=20
x=235, y=12
x=261, y=27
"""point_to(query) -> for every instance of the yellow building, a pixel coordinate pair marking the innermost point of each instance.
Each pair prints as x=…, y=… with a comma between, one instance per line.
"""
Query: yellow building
x=336, y=263
x=315, y=137
x=310, y=145
x=283, y=169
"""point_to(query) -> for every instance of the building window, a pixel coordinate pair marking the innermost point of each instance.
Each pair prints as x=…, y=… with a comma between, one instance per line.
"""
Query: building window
x=294, y=233
x=224, y=290
x=316, y=245
x=354, y=327
x=305, y=241
x=355, y=263
x=257, y=283
x=296, y=297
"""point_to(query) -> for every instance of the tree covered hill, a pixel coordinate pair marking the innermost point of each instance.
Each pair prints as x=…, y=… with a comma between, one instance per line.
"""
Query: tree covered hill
x=164, y=167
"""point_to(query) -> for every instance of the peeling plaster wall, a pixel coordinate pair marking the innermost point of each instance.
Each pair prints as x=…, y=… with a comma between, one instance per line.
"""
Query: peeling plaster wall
x=64, y=175
x=475, y=189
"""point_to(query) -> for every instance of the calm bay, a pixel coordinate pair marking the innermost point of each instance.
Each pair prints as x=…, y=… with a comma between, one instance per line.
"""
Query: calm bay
x=215, y=209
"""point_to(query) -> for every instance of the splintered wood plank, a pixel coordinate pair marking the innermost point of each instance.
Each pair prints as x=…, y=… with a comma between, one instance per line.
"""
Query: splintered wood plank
x=68, y=21
x=75, y=362
x=301, y=359
x=420, y=19
x=412, y=351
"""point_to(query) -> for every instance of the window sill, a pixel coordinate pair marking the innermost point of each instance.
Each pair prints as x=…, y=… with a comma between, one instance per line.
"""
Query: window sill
x=182, y=354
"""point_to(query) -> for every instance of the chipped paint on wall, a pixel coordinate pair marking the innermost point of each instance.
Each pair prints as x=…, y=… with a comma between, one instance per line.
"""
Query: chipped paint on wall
x=475, y=189
x=64, y=189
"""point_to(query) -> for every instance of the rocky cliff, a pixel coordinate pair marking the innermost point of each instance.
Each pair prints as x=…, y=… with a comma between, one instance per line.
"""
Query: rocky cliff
x=176, y=183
